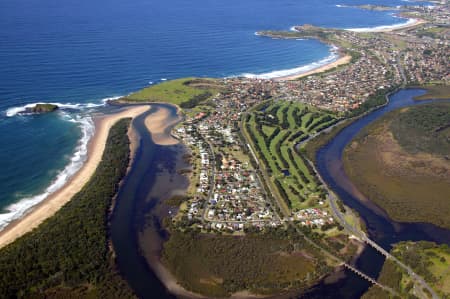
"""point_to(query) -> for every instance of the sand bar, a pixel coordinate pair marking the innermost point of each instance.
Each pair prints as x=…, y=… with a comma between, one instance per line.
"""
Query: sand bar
x=55, y=201
x=341, y=61
x=159, y=123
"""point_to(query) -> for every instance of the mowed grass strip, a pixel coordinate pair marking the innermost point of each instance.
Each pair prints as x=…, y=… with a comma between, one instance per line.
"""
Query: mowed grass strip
x=277, y=149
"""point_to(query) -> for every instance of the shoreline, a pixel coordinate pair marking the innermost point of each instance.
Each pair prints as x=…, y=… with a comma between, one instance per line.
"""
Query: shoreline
x=412, y=22
x=340, y=61
x=49, y=206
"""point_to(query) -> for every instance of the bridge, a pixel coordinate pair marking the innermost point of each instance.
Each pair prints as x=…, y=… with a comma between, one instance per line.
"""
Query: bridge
x=359, y=234
x=363, y=237
x=370, y=279
x=332, y=198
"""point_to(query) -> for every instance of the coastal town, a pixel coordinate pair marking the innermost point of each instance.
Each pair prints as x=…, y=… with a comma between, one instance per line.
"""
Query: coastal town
x=243, y=187
x=229, y=194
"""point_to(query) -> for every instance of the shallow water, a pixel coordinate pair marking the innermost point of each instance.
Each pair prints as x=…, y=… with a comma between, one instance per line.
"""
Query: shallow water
x=151, y=179
x=154, y=177
x=80, y=52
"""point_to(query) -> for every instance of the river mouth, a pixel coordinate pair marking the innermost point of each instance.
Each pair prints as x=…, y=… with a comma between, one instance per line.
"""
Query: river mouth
x=154, y=178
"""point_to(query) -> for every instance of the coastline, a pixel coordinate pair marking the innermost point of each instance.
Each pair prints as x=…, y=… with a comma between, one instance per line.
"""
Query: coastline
x=390, y=28
x=55, y=201
x=341, y=61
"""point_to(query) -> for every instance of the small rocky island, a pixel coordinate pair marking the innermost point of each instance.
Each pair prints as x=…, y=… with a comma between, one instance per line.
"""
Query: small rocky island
x=42, y=108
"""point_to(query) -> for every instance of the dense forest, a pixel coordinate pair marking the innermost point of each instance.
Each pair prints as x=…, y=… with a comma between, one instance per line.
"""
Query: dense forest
x=267, y=262
x=68, y=256
x=424, y=128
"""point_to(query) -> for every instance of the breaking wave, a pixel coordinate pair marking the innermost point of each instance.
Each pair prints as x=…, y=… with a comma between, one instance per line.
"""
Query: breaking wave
x=384, y=27
x=23, y=206
x=296, y=71
x=75, y=113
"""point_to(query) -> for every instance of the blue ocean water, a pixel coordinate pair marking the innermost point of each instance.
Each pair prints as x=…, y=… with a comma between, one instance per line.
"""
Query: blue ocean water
x=80, y=52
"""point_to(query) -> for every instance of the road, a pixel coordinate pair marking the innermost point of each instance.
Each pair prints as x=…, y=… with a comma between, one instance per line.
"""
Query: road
x=363, y=237
x=314, y=244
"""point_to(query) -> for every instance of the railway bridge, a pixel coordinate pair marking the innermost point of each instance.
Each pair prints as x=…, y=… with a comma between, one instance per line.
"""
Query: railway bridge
x=370, y=279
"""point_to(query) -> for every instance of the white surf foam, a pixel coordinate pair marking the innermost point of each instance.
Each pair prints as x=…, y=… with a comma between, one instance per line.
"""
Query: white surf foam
x=384, y=27
x=106, y=100
x=23, y=206
x=298, y=70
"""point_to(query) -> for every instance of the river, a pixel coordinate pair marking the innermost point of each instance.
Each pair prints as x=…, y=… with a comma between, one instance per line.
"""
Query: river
x=381, y=228
x=153, y=173
x=153, y=176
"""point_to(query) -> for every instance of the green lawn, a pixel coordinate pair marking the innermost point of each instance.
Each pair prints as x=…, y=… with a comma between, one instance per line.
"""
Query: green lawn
x=187, y=92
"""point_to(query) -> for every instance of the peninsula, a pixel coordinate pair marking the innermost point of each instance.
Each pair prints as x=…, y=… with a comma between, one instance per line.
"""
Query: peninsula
x=257, y=219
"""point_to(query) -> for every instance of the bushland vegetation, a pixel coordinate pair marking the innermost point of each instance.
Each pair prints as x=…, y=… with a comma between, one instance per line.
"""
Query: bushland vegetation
x=268, y=262
x=68, y=256
x=401, y=163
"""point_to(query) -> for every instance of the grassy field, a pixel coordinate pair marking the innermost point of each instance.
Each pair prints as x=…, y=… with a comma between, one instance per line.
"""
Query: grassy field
x=262, y=263
x=429, y=260
x=401, y=163
x=435, y=92
x=186, y=92
x=274, y=134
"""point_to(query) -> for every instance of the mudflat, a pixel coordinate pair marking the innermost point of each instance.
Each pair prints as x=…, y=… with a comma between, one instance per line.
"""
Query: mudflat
x=401, y=162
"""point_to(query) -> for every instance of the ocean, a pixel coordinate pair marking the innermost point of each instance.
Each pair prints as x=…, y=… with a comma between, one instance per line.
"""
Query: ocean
x=79, y=53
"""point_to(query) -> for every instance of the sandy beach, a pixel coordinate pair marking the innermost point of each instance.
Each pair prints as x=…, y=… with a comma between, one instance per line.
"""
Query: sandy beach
x=54, y=202
x=158, y=123
x=341, y=61
x=410, y=23
x=416, y=22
